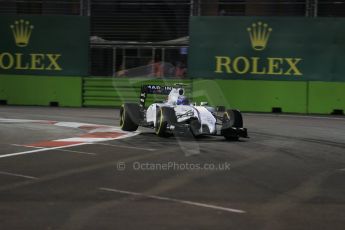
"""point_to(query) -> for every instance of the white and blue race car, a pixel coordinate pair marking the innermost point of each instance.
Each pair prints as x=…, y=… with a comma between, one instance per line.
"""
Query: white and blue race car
x=177, y=116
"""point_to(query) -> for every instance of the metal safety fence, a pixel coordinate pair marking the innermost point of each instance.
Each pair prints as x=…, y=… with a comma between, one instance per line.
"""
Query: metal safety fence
x=139, y=61
x=150, y=37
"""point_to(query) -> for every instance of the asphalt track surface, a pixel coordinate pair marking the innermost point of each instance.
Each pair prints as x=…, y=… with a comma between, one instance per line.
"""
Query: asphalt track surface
x=290, y=174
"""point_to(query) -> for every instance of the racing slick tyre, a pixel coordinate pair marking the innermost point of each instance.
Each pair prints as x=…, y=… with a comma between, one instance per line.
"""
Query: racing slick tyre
x=231, y=119
x=129, y=116
x=165, y=116
x=195, y=126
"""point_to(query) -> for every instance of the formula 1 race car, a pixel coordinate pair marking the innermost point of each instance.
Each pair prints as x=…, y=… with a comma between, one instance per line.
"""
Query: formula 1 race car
x=177, y=116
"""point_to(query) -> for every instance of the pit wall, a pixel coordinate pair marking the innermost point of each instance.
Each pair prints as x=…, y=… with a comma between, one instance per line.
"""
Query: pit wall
x=247, y=95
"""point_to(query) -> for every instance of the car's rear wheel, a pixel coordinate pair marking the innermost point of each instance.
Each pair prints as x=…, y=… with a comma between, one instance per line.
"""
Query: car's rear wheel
x=195, y=126
x=231, y=119
x=129, y=116
x=165, y=116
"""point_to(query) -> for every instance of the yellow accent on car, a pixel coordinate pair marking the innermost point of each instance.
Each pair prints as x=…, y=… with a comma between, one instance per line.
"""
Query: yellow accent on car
x=123, y=116
x=161, y=121
x=227, y=115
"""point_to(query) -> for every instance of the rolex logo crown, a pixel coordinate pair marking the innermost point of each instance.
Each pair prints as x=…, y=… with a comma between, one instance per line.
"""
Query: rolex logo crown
x=22, y=31
x=259, y=34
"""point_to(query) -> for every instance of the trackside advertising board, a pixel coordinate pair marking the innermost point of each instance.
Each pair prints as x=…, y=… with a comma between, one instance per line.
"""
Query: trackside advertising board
x=44, y=45
x=264, y=48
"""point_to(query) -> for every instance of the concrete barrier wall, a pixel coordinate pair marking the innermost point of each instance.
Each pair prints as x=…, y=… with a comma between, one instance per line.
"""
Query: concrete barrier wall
x=246, y=95
x=326, y=97
x=253, y=96
x=40, y=90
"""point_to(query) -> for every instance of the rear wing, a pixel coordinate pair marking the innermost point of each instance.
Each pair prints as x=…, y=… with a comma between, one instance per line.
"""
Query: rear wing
x=152, y=89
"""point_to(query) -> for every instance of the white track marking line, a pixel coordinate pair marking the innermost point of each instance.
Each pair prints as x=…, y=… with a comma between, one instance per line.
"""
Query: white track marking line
x=63, y=150
x=18, y=175
x=341, y=169
x=128, y=134
x=106, y=129
x=73, y=151
x=27, y=146
x=38, y=150
x=294, y=116
x=175, y=200
x=124, y=146
x=85, y=141
x=73, y=124
x=6, y=120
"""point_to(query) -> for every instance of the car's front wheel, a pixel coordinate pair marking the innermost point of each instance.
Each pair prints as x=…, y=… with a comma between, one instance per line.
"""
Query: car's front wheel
x=165, y=116
x=231, y=119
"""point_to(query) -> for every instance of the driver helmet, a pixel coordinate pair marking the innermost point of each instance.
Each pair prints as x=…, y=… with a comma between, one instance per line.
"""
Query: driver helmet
x=182, y=100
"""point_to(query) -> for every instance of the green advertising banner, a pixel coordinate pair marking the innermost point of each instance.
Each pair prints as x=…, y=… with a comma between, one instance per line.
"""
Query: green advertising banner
x=44, y=45
x=267, y=48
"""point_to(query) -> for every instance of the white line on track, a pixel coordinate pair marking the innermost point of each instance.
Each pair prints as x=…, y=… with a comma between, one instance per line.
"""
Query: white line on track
x=97, y=128
x=7, y=120
x=175, y=200
x=18, y=175
x=73, y=151
x=124, y=146
x=342, y=169
x=38, y=150
x=63, y=150
x=294, y=116
x=27, y=146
